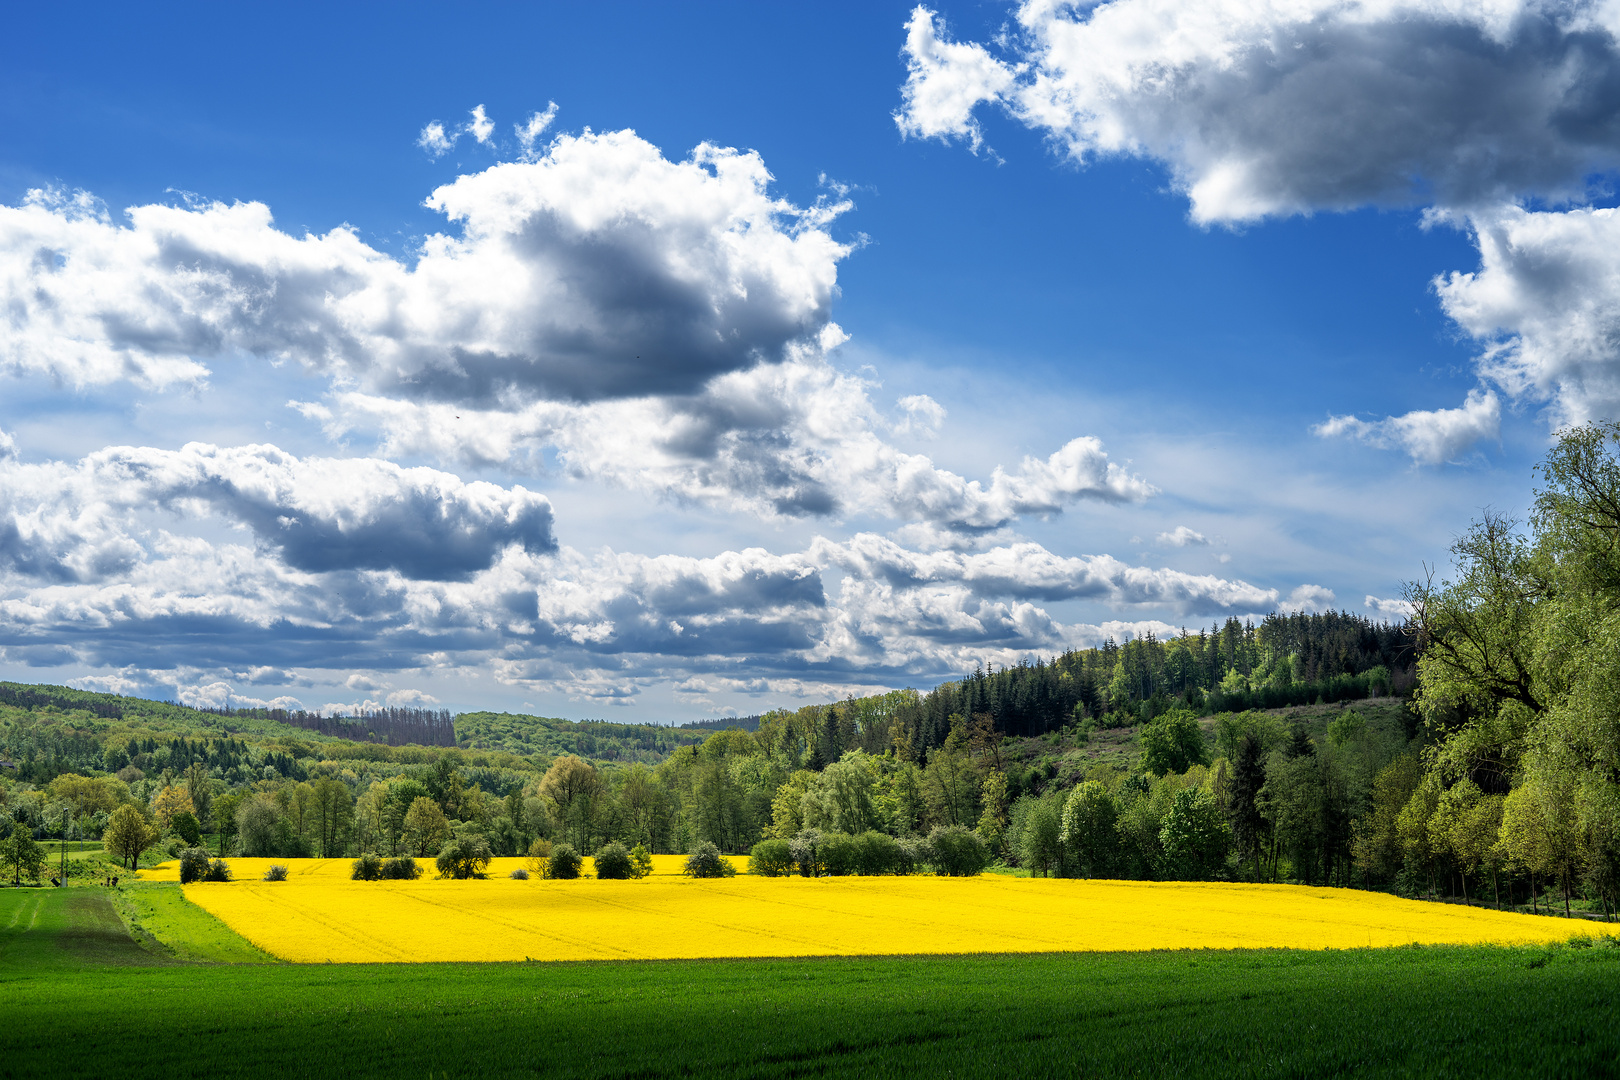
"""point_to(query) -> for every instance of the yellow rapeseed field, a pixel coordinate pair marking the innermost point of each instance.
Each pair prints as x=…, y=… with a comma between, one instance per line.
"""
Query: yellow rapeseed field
x=319, y=915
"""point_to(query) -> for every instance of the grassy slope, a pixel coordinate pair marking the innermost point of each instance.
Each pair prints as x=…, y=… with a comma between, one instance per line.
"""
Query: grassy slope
x=185, y=930
x=74, y=1003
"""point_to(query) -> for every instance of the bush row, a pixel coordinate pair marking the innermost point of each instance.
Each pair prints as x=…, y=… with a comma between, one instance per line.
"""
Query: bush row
x=195, y=866
x=950, y=850
x=376, y=868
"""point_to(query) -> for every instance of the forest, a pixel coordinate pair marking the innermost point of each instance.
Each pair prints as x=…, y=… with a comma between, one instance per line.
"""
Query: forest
x=1472, y=752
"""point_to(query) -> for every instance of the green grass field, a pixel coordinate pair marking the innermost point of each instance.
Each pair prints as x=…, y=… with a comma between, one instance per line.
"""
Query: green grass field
x=79, y=996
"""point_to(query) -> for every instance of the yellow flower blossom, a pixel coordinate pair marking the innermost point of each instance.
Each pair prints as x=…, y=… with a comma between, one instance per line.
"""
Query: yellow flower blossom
x=319, y=915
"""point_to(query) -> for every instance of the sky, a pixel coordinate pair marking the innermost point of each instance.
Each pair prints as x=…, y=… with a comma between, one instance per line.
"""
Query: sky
x=659, y=362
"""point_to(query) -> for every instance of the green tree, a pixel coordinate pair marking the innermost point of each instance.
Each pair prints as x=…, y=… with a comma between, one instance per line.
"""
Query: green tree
x=21, y=855
x=464, y=857
x=613, y=862
x=1173, y=743
x=426, y=829
x=333, y=812
x=1040, y=842
x=950, y=783
x=128, y=833
x=224, y=811
x=1376, y=844
x=1089, y=829
x=574, y=788
x=1194, y=838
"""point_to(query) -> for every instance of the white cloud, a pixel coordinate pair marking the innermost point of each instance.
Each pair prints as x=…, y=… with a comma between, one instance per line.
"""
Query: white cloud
x=1183, y=536
x=1279, y=108
x=435, y=140
x=599, y=627
x=530, y=130
x=1309, y=598
x=1545, y=302
x=1431, y=437
x=597, y=269
x=923, y=416
x=80, y=522
x=219, y=695
x=480, y=127
x=1395, y=609
x=1029, y=571
x=791, y=439
x=945, y=82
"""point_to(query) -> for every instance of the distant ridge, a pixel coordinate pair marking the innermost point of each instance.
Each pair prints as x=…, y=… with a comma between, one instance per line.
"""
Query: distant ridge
x=723, y=723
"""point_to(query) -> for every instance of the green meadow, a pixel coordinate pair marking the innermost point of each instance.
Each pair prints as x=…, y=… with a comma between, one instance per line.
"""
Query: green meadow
x=81, y=995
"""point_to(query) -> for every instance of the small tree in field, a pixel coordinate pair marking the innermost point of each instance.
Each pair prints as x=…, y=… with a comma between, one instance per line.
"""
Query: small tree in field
x=539, y=860
x=464, y=858
x=564, y=862
x=613, y=862
x=193, y=865
x=641, y=863
x=127, y=835
x=707, y=862
x=21, y=855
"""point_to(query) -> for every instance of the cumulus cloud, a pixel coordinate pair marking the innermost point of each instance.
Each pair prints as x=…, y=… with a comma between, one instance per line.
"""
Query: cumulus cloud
x=1429, y=436
x=1265, y=109
x=79, y=522
x=1029, y=571
x=792, y=439
x=530, y=130
x=922, y=416
x=597, y=269
x=946, y=81
x=435, y=140
x=1394, y=609
x=220, y=695
x=1545, y=303
x=1182, y=536
x=1309, y=598
x=601, y=627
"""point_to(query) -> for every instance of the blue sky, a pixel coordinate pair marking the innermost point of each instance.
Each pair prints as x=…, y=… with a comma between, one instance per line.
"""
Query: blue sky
x=1044, y=327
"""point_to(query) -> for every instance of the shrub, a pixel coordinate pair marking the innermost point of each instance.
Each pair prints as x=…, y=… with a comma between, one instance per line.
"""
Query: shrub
x=185, y=826
x=806, y=850
x=276, y=873
x=564, y=863
x=880, y=853
x=519, y=874
x=912, y=854
x=539, y=861
x=641, y=863
x=707, y=862
x=193, y=865
x=613, y=862
x=771, y=858
x=840, y=855
x=464, y=857
x=403, y=868
x=172, y=846
x=219, y=870
x=367, y=867
x=957, y=852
